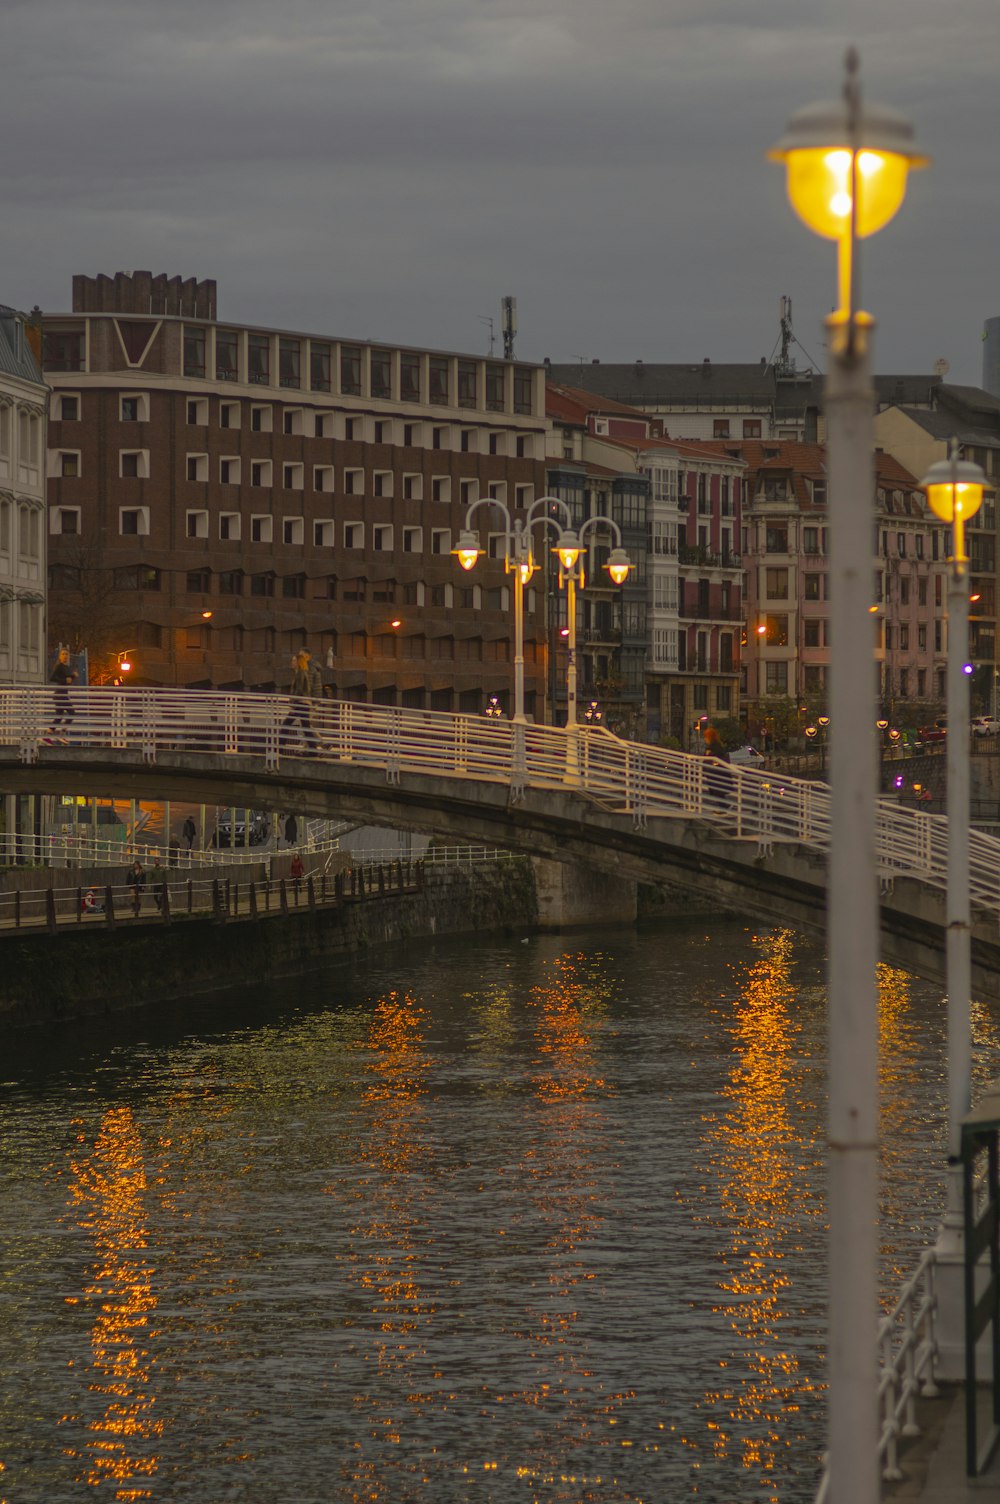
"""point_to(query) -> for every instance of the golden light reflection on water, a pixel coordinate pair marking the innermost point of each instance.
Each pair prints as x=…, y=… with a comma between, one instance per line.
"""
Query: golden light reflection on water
x=108, y=1189
x=759, y=1175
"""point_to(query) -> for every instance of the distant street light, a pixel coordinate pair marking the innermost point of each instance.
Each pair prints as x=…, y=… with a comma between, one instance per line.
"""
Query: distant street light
x=846, y=168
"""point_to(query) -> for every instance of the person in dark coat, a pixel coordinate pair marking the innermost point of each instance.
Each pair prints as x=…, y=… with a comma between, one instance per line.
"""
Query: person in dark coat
x=718, y=781
x=189, y=831
x=137, y=881
x=62, y=676
x=306, y=686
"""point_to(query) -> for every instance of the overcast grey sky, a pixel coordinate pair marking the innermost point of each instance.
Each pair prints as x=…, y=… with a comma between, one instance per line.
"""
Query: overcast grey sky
x=390, y=169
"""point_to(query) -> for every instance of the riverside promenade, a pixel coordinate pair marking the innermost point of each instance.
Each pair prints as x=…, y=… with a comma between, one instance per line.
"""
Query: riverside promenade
x=933, y=1465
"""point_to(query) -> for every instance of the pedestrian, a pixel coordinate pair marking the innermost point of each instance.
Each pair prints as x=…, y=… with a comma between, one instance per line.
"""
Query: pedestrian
x=157, y=878
x=189, y=832
x=62, y=676
x=306, y=686
x=295, y=872
x=717, y=781
x=137, y=881
x=90, y=903
x=291, y=830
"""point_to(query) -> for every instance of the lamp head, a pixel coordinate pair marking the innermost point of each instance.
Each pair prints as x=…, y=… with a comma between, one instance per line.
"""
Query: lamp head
x=467, y=549
x=569, y=549
x=818, y=148
x=954, y=488
x=618, y=565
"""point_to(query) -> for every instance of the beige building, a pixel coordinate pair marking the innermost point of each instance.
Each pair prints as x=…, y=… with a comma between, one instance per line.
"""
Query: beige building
x=23, y=399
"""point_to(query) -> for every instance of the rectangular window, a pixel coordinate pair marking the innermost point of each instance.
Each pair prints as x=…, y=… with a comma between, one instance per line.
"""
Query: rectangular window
x=194, y=352
x=261, y=529
x=413, y=540
x=197, y=524
x=467, y=371
x=293, y=587
x=197, y=582
x=494, y=389
x=811, y=587
x=197, y=411
x=133, y=521
x=441, y=488
x=354, y=482
x=776, y=678
x=776, y=631
x=322, y=477
x=230, y=528
x=197, y=466
x=904, y=590
x=69, y=409
x=289, y=363
x=261, y=420
x=810, y=540
x=229, y=470
x=323, y=532
x=354, y=535
x=293, y=477
x=523, y=390
x=922, y=592
x=63, y=349
x=439, y=372
x=229, y=415
x=751, y=428
x=69, y=463
x=129, y=460
x=810, y=632
x=350, y=370
x=259, y=359
x=720, y=428
x=227, y=355
x=382, y=483
x=440, y=540
x=381, y=373
x=776, y=584
x=776, y=540
x=382, y=538
x=293, y=530
x=260, y=472
x=409, y=379
x=262, y=584
x=320, y=368
x=231, y=582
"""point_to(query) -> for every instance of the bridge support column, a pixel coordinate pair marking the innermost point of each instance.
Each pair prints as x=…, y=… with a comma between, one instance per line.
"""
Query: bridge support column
x=570, y=894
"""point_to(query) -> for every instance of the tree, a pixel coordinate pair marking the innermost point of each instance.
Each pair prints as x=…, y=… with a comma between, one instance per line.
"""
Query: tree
x=86, y=610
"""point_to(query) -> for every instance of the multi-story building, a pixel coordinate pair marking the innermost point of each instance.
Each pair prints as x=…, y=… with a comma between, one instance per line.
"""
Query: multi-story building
x=220, y=495
x=785, y=552
x=23, y=402
x=676, y=657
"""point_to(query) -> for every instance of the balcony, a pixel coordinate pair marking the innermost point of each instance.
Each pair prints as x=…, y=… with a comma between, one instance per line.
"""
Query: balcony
x=706, y=558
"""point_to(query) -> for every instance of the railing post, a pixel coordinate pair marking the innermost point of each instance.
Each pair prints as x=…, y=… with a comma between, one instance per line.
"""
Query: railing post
x=283, y=895
x=311, y=892
x=50, y=910
x=190, y=896
x=79, y=905
x=165, y=903
x=253, y=900
x=17, y=909
x=109, y=907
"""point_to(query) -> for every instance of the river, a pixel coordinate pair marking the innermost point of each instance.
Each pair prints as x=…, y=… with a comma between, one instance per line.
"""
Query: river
x=494, y=1220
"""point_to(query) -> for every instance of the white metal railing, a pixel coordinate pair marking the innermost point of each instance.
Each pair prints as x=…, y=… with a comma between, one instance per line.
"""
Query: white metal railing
x=907, y=1346
x=635, y=780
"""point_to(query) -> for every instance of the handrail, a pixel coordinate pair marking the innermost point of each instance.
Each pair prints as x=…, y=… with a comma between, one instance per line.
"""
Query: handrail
x=631, y=779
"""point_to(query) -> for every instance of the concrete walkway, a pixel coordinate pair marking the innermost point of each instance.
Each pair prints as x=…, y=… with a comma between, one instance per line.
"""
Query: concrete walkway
x=934, y=1463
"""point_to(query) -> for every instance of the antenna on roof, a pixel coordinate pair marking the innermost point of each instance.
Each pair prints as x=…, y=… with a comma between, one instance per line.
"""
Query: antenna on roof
x=508, y=322
x=785, y=365
x=484, y=318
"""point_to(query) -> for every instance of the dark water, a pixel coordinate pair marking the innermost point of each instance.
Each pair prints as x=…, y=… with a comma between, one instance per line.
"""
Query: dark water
x=497, y=1222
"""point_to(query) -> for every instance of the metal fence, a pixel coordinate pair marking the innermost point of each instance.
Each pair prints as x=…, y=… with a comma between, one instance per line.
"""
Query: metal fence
x=639, y=782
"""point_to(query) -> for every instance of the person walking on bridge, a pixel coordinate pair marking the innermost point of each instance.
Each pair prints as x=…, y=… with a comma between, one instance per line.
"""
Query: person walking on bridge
x=306, y=686
x=62, y=676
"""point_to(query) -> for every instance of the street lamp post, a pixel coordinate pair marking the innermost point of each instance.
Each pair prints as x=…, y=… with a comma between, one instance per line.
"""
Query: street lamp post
x=846, y=168
x=955, y=492
x=518, y=560
x=570, y=549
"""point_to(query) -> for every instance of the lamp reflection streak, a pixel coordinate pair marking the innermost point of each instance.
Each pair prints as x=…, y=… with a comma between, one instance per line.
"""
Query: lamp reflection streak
x=108, y=1188
x=759, y=1180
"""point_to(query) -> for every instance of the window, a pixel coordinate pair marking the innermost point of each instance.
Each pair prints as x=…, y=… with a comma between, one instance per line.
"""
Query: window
x=69, y=409
x=438, y=371
x=819, y=493
x=904, y=637
x=198, y=582
x=413, y=487
x=65, y=520
x=904, y=590
x=230, y=526
x=291, y=420
x=136, y=577
x=720, y=428
x=354, y=535
x=810, y=632
x=323, y=532
x=229, y=470
x=776, y=678
x=810, y=540
x=776, y=540
x=259, y=359
x=776, y=631
x=229, y=415
x=131, y=463
x=196, y=466
x=409, y=380
x=494, y=388
x=227, y=355
x=441, y=488
x=776, y=584
x=751, y=428
x=194, y=352
x=196, y=524
x=260, y=473
x=811, y=587
x=197, y=411
x=922, y=592
x=413, y=540
x=411, y=434
x=901, y=545
x=133, y=521
x=63, y=349
x=524, y=495
x=521, y=446
x=382, y=538
x=293, y=477
x=382, y=483
x=467, y=371
x=523, y=390
x=319, y=367
x=261, y=420
x=322, y=477
x=381, y=374
x=323, y=424
x=261, y=529
x=69, y=463
x=293, y=587
x=918, y=544
x=354, y=482
x=922, y=637
x=440, y=540
x=350, y=370
x=383, y=431
x=289, y=363
x=231, y=582
x=293, y=530
x=262, y=584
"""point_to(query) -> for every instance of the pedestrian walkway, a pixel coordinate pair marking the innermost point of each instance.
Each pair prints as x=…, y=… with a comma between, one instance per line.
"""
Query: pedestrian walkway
x=934, y=1463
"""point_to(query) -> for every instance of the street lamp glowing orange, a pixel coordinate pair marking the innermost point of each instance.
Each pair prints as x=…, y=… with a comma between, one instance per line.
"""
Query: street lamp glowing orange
x=467, y=549
x=568, y=548
x=618, y=566
x=954, y=489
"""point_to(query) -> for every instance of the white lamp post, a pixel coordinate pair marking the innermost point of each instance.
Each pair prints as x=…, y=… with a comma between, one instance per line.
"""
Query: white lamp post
x=518, y=560
x=569, y=550
x=955, y=492
x=846, y=171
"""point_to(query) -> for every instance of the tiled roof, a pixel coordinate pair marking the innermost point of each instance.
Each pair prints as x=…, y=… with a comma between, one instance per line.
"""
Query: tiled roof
x=944, y=425
x=12, y=361
x=644, y=383
x=575, y=404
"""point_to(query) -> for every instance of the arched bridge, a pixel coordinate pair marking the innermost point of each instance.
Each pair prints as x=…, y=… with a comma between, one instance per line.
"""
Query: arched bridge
x=740, y=839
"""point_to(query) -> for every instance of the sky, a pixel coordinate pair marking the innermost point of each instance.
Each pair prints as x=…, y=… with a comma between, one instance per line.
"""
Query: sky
x=391, y=169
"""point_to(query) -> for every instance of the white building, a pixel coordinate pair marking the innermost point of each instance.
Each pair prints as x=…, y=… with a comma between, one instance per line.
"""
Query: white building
x=23, y=409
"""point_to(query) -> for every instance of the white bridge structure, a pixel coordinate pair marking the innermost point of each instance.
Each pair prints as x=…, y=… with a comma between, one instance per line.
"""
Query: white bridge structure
x=752, y=842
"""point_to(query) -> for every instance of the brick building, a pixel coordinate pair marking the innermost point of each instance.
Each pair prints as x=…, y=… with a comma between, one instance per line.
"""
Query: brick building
x=302, y=489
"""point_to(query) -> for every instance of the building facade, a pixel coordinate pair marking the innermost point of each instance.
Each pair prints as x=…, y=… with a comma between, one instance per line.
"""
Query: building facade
x=220, y=495
x=23, y=405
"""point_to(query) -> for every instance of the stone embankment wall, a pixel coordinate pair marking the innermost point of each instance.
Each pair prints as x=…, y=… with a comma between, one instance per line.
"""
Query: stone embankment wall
x=86, y=971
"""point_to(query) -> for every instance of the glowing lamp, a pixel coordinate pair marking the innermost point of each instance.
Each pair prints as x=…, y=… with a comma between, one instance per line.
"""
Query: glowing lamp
x=618, y=566
x=819, y=148
x=526, y=569
x=124, y=666
x=954, y=489
x=467, y=549
x=569, y=550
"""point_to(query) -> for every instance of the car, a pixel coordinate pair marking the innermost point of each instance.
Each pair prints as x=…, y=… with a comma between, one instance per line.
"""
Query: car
x=984, y=725
x=259, y=828
x=747, y=757
x=936, y=733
